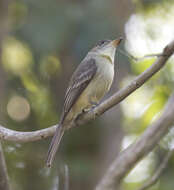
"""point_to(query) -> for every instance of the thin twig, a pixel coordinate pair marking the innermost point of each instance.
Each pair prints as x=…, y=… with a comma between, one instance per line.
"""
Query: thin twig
x=123, y=52
x=159, y=171
x=137, y=59
x=66, y=184
x=4, y=179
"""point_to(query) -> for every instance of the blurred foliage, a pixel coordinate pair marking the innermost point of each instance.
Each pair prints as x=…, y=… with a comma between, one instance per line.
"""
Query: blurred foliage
x=44, y=43
x=147, y=32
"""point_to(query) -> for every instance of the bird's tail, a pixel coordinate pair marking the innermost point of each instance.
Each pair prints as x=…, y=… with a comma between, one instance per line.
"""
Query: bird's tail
x=54, y=145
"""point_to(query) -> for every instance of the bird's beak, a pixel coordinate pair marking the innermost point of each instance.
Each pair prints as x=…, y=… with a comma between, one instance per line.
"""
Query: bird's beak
x=116, y=42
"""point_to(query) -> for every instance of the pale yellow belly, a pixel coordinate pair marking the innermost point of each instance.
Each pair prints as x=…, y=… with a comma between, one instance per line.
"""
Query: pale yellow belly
x=94, y=92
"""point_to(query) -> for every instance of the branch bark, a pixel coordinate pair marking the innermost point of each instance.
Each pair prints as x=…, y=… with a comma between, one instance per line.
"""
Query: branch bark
x=18, y=136
x=135, y=152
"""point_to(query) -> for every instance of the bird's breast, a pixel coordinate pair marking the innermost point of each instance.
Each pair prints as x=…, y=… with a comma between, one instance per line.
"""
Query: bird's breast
x=104, y=77
x=105, y=70
x=97, y=88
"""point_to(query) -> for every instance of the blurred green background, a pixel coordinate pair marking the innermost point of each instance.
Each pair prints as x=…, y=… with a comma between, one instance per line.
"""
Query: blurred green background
x=42, y=42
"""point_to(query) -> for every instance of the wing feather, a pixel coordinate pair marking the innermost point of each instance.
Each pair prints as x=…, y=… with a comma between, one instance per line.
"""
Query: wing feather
x=79, y=81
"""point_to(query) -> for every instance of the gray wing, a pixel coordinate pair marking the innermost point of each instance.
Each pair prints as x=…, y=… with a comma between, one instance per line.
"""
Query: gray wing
x=79, y=81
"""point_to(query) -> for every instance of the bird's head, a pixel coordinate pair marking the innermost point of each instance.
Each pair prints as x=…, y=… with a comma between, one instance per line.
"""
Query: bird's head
x=106, y=48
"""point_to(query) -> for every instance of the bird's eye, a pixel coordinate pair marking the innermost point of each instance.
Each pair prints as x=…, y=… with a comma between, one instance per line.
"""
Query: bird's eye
x=103, y=42
x=100, y=43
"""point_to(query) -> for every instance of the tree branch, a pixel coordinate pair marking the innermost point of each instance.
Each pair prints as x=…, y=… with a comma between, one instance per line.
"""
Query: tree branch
x=130, y=156
x=4, y=179
x=159, y=171
x=135, y=84
x=18, y=136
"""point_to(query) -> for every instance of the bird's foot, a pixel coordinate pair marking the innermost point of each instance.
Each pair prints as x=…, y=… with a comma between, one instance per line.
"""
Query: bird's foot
x=94, y=104
x=86, y=110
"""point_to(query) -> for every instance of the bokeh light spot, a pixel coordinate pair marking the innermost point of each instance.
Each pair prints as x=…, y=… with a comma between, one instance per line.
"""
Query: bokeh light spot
x=16, y=56
x=18, y=108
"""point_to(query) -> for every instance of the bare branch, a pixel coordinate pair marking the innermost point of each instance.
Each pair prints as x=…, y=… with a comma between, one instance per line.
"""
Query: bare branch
x=4, y=179
x=135, y=84
x=158, y=173
x=17, y=136
x=135, y=152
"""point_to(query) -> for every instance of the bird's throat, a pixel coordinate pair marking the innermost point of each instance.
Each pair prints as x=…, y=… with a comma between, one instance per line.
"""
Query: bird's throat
x=108, y=58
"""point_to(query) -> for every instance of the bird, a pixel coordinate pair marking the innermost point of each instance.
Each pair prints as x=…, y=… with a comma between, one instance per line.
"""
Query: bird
x=89, y=83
